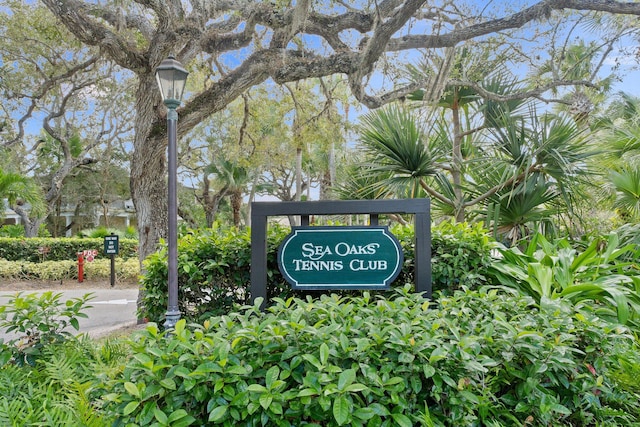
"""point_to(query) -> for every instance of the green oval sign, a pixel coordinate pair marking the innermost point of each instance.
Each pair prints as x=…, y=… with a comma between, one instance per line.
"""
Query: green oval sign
x=340, y=258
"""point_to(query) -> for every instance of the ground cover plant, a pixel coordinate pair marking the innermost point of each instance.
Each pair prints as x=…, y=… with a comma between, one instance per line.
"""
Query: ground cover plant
x=604, y=273
x=483, y=357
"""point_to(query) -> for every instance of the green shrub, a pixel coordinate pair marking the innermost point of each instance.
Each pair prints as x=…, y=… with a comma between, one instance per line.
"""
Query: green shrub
x=17, y=230
x=39, y=320
x=214, y=267
x=58, y=249
x=102, y=231
x=128, y=270
x=10, y=269
x=460, y=253
x=48, y=376
x=627, y=371
x=101, y=268
x=481, y=357
x=213, y=273
x=12, y=230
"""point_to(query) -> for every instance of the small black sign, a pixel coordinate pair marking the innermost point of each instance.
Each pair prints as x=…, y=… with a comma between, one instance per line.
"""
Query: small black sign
x=111, y=245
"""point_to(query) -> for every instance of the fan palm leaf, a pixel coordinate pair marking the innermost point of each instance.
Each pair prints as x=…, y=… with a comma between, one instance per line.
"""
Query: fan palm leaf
x=393, y=141
x=626, y=182
x=18, y=188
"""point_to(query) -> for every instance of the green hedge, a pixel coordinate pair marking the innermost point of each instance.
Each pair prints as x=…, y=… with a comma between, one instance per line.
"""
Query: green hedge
x=128, y=270
x=59, y=249
x=478, y=358
x=214, y=267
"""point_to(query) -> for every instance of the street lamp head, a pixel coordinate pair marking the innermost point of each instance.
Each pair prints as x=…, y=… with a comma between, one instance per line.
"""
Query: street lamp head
x=172, y=78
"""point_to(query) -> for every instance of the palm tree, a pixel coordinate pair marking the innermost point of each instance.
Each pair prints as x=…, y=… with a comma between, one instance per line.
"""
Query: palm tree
x=510, y=172
x=578, y=62
x=621, y=155
x=19, y=190
x=234, y=179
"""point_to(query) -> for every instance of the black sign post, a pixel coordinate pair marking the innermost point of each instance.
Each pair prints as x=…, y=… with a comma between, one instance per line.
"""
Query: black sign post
x=111, y=248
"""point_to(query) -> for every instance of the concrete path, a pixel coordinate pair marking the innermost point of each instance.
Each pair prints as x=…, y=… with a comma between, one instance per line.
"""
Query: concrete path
x=112, y=309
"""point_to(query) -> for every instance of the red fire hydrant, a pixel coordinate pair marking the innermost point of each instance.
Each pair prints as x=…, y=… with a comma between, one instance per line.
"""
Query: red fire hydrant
x=80, y=267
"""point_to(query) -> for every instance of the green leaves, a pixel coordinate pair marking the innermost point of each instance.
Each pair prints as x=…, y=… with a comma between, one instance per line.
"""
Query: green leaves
x=39, y=320
x=476, y=357
x=599, y=278
x=341, y=410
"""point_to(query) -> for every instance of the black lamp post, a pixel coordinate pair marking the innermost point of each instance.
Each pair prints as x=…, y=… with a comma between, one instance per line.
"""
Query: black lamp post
x=172, y=77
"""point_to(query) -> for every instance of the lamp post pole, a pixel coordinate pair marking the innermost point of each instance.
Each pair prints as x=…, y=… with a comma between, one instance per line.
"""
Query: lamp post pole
x=173, y=312
x=171, y=77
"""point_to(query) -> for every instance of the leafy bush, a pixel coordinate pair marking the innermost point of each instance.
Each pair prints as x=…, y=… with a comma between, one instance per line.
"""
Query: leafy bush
x=12, y=230
x=629, y=234
x=481, y=357
x=557, y=270
x=460, y=253
x=125, y=269
x=213, y=273
x=48, y=376
x=10, y=269
x=214, y=267
x=17, y=230
x=58, y=249
x=68, y=270
x=102, y=231
x=40, y=320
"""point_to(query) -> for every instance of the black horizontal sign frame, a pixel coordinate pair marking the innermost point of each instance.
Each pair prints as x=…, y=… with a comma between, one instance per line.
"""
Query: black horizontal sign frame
x=260, y=211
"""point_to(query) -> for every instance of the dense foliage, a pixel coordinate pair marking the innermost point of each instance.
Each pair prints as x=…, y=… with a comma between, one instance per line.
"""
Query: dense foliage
x=214, y=267
x=58, y=249
x=213, y=273
x=128, y=270
x=604, y=273
x=49, y=376
x=38, y=320
x=493, y=355
x=484, y=357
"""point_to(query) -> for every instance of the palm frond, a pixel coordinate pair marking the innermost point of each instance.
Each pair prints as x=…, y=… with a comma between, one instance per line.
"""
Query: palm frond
x=393, y=141
x=626, y=182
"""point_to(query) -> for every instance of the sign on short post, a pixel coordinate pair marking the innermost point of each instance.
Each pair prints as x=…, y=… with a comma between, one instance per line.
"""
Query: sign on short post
x=111, y=245
x=340, y=258
x=111, y=248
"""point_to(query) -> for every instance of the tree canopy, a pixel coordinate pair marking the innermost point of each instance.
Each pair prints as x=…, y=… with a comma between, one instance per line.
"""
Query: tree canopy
x=238, y=44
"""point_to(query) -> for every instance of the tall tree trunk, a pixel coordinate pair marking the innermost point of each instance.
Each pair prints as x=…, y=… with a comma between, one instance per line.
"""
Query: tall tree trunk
x=148, y=173
x=31, y=225
x=236, y=206
x=149, y=169
x=456, y=164
x=211, y=200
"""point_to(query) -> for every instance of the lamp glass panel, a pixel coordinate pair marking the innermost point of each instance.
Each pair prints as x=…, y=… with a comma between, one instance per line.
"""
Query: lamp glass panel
x=171, y=82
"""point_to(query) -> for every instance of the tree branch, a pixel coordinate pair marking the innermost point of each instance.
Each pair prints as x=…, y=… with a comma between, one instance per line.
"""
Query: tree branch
x=88, y=30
